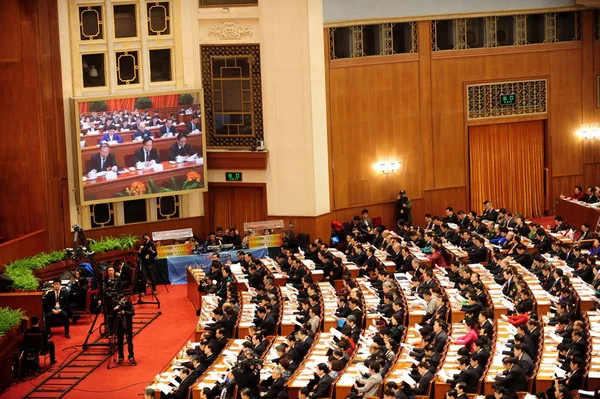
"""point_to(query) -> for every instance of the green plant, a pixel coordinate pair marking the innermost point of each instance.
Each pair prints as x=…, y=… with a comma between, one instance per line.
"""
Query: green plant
x=98, y=106
x=186, y=99
x=143, y=103
x=10, y=318
x=21, y=270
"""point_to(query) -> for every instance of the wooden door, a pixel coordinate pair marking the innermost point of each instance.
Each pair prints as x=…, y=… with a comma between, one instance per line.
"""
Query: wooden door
x=232, y=205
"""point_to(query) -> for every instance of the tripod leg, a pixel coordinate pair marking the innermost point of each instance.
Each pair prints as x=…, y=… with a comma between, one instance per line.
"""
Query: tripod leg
x=89, y=334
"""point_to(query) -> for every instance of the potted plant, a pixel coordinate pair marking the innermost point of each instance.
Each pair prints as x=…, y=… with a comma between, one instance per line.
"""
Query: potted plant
x=186, y=99
x=10, y=320
x=98, y=106
x=143, y=103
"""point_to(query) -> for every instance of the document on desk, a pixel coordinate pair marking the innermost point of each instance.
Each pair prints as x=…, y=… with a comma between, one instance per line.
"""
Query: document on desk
x=336, y=333
x=161, y=386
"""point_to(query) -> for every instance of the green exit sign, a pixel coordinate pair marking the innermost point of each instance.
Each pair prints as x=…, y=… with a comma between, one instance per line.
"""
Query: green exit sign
x=233, y=176
x=508, y=99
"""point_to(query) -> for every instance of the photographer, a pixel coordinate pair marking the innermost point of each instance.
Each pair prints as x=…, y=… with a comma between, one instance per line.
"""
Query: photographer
x=123, y=313
x=147, y=255
x=403, y=208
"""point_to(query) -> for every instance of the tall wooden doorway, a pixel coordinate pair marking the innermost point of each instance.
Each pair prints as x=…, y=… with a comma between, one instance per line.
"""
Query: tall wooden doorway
x=507, y=166
x=233, y=204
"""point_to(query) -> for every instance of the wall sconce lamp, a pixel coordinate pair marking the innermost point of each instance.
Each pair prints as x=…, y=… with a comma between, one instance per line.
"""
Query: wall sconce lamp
x=387, y=167
x=589, y=132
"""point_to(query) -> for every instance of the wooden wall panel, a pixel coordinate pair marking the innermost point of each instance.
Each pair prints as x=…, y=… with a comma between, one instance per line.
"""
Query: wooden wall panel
x=359, y=116
x=22, y=247
x=34, y=162
x=564, y=185
x=436, y=201
x=372, y=121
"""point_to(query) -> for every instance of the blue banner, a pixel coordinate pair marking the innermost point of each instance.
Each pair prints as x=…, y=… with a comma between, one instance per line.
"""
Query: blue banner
x=177, y=265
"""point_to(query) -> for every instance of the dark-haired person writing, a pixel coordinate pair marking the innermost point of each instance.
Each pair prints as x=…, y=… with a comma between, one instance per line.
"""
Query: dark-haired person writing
x=147, y=155
x=181, y=148
x=103, y=160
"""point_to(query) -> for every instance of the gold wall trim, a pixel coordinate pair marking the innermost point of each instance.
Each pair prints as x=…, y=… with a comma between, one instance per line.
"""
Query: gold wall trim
x=229, y=31
x=479, y=52
x=484, y=99
x=374, y=21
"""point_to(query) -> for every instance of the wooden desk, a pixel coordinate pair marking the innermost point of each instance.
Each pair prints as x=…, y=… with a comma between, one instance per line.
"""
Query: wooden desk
x=576, y=213
x=193, y=276
x=124, y=152
x=105, y=189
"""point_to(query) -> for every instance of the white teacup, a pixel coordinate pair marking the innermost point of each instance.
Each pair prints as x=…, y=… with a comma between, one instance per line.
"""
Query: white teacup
x=179, y=158
x=82, y=143
x=92, y=175
x=139, y=165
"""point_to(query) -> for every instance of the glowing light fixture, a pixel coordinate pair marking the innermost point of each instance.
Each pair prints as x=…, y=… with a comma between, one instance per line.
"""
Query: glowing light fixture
x=589, y=132
x=387, y=167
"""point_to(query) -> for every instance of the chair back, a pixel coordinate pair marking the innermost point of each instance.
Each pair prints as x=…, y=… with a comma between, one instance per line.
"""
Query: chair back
x=34, y=340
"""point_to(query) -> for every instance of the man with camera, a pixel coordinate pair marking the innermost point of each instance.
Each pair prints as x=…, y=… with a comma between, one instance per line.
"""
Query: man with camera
x=403, y=208
x=147, y=255
x=123, y=313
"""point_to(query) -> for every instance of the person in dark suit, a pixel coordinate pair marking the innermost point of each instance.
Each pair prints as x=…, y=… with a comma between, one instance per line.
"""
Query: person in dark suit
x=542, y=242
x=574, y=379
x=513, y=378
x=47, y=344
x=559, y=225
x=468, y=375
x=523, y=359
x=450, y=216
x=55, y=307
x=478, y=252
x=371, y=261
x=489, y=213
x=142, y=133
x=188, y=377
x=167, y=129
x=323, y=382
x=180, y=148
x=449, y=235
x=260, y=344
x=422, y=386
x=275, y=384
x=104, y=160
x=147, y=154
x=523, y=257
x=193, y=125
x=264, y=321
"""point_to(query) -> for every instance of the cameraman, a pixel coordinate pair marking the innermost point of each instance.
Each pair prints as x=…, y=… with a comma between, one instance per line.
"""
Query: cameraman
x=148, y=255
x=403, y=208
x=124, y=315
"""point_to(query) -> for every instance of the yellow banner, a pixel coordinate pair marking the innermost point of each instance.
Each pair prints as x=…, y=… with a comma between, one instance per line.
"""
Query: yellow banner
x=271, y=240
x=167, y=251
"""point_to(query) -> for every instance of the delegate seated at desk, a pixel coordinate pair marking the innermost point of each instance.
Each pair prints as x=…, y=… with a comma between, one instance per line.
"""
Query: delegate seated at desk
x=104, y=160
x=167, y=129
x=111, y=136
x=147, y=154
x=180, y=148
x=193, y=125
x=142, y=133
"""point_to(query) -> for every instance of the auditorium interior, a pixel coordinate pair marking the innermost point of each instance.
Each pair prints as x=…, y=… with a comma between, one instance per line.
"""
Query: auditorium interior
x=300, y=199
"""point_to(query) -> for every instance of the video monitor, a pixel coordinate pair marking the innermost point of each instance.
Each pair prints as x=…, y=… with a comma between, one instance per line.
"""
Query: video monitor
x=139, y=146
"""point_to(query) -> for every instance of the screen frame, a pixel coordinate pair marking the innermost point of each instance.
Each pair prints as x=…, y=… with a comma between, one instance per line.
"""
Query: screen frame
x=77, y=154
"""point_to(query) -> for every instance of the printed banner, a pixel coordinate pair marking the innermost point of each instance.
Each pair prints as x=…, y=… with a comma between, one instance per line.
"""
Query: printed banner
x=271, y=240
x=172, y=234
x=267, y=224
x=166, y=251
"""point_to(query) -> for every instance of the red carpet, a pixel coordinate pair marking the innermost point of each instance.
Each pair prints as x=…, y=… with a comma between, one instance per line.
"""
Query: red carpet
x=154, y=347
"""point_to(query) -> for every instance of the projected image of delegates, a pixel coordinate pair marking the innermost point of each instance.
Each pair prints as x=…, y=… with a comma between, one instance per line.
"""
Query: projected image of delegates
x=135, y=147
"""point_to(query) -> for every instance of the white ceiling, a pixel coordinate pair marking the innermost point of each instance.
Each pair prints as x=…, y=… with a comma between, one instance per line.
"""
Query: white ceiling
x=354, y=10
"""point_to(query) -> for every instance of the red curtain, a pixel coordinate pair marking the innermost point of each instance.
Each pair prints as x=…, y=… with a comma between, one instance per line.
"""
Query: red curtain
x=507, y=166
x=119, y=104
